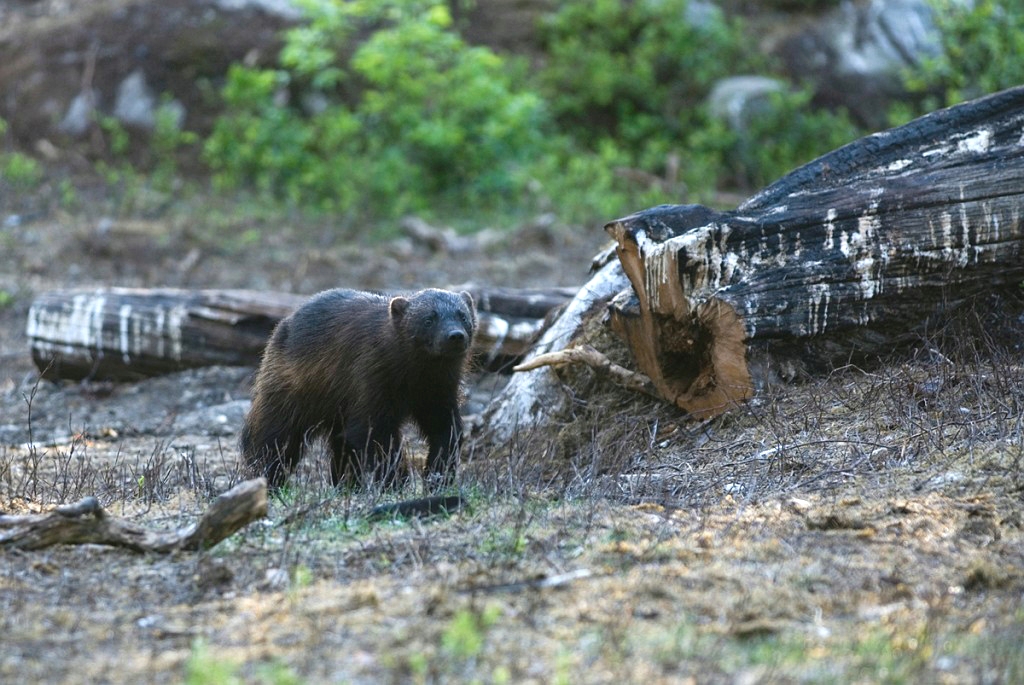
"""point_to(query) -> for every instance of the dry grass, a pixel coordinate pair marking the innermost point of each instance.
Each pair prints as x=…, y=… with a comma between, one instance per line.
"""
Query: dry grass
x=861, y=527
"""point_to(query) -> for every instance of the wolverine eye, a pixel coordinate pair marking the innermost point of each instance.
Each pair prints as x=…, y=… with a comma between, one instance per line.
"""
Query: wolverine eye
x=431, y=319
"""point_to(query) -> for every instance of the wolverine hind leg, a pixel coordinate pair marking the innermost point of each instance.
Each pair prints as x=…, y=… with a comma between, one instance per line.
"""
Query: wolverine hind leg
x=368, y=457
x=271, y=447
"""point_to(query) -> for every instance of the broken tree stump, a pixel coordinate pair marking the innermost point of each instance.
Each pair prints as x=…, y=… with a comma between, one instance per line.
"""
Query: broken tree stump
x=843, y=258
x=536, y=394
x=129, y=333
x=86, y=522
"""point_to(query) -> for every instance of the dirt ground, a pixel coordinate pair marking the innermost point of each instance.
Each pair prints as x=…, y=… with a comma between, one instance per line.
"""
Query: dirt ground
x=860, y=527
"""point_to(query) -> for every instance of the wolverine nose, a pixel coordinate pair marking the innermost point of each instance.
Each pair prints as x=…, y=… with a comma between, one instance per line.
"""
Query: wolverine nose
x=457, y=340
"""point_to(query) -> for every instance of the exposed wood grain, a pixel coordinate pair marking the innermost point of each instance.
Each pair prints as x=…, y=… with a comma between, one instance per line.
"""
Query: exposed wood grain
x=846, y=256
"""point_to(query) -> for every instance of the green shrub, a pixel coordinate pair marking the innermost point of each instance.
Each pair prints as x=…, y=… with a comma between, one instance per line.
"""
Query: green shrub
x=411, y=118
x=378, y=109
x=631, y=80
x=167, y=140
x=787, y=133
x=981, y=47
x=19, y=171
x=637, y=71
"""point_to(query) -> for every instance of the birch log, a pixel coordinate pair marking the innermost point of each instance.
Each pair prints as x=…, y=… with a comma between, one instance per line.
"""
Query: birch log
x=129, y=334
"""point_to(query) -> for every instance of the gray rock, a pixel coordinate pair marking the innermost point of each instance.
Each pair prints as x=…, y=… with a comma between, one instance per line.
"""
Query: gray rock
x=703, y=14
x=737, y=99
x=80, y=113
x=855, y=54
x=135, y=103
x=286, y=9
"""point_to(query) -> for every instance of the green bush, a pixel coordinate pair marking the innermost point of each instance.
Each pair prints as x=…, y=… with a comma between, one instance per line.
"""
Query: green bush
x=982, y=44
x=631, y=80
x=626, y=83
x=410, y=119
x=637, y=71
x=19, y=171
x=378, y=109
x=788, y=132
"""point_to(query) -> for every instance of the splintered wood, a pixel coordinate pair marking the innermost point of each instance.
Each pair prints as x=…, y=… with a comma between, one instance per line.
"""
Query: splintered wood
x=845, y=256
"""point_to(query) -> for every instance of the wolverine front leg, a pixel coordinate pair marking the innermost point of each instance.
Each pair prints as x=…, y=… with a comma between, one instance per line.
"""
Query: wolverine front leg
x=376, y=453
x=344, y=461
x=443, y=430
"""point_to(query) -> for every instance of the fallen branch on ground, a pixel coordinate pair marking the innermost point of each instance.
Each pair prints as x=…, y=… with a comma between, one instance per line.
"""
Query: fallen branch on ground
x=555, y=581
x=86, y=522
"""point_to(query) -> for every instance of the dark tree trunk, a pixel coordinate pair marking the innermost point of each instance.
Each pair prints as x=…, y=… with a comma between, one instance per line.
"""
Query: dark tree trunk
x=845, y=256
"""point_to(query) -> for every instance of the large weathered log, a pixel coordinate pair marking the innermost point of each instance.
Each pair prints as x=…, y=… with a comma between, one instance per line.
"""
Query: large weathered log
x=845, y=256
x=86, y=522
x=127, y=334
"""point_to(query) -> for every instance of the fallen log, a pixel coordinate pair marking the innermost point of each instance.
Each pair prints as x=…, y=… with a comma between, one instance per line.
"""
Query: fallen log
x=844, y=257
x=86, y=522
x=129, y=334
x=536, y=394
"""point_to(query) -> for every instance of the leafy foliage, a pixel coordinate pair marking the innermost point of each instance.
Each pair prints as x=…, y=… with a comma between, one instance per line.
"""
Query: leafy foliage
x=411, y=115
x=378, y=109
x=787, y=132
x=981, y=46
x=19, y=171
x=637, y=71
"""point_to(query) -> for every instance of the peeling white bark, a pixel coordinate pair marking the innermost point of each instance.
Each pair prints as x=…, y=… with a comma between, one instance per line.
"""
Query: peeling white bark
x=532, y=398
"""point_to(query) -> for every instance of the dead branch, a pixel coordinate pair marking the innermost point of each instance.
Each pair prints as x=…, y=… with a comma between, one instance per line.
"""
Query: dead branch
x=555, y=581
x=631, y=380
x=86, y=522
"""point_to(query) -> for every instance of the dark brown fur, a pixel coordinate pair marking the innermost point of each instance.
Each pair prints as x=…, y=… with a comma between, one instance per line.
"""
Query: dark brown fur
x=354, y=367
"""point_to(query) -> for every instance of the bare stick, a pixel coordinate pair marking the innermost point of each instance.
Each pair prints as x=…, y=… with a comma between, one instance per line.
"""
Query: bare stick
x=554, y=581
x=86, y=522
x=631, y=380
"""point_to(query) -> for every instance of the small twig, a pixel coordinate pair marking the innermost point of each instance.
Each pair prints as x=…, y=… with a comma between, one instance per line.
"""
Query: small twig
x=631, y=380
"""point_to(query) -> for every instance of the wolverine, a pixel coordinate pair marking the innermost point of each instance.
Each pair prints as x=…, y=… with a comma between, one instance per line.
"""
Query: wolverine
x=354, y=367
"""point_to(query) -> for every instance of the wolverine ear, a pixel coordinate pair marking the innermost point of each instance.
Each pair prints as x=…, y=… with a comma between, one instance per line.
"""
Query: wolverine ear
x=397, y=307
x=468, y=299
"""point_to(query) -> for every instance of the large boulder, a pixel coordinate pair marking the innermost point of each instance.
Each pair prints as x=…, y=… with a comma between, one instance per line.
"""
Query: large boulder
x=855, y=55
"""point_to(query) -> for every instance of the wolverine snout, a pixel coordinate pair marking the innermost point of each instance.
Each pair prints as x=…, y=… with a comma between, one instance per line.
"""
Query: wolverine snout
x=456, y=340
